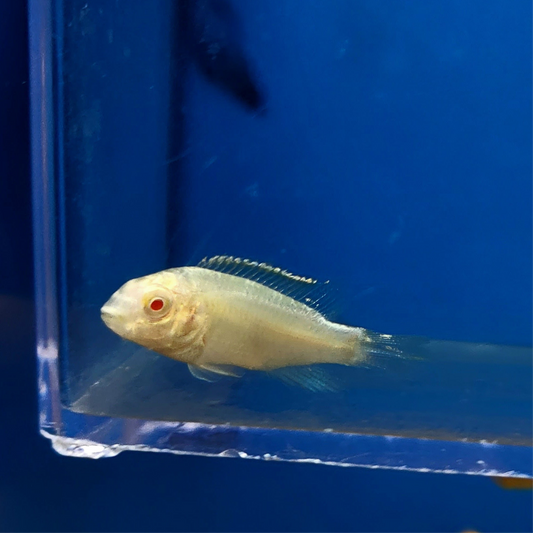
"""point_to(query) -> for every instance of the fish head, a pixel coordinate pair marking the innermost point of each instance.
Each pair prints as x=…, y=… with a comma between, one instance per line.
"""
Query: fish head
x=160, y=312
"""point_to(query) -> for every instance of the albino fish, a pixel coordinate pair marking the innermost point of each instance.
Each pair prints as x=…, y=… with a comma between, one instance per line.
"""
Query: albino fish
x=229, y=314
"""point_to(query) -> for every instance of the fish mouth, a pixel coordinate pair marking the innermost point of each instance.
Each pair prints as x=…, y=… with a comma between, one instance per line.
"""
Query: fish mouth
x=109, y=316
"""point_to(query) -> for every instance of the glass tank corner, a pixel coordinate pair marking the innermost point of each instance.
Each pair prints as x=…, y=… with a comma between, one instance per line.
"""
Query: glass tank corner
x=167, y=132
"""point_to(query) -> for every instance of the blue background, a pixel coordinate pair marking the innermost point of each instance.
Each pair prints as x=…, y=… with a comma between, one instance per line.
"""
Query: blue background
x=382, y=163
x=394, y=160
x=40, y=490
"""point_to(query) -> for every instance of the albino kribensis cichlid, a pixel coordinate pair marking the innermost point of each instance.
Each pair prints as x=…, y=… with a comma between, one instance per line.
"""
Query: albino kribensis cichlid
x=228, y=314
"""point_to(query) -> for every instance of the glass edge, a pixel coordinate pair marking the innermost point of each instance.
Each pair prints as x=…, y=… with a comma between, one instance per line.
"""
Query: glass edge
x=107, y=437
x=43, y=208
x=339, y=449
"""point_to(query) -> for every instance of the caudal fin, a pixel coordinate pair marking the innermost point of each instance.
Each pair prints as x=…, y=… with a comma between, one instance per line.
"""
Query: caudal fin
x=378, y=349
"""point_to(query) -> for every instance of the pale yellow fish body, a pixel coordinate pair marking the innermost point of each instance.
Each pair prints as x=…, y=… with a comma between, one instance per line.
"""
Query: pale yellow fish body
x=214, y=320
x=255, y=327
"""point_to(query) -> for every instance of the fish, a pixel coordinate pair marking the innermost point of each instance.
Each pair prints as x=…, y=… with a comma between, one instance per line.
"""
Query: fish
x=217, y=50
x=228, y=315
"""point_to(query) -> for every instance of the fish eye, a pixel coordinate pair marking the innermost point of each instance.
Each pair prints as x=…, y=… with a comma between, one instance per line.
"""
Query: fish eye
x=157, y=305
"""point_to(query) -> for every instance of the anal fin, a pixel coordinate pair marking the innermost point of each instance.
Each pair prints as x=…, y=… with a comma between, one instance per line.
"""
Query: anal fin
x=311, y=378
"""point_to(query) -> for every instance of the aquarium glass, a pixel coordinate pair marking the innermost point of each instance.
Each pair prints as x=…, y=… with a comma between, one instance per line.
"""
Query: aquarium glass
x=381, y=146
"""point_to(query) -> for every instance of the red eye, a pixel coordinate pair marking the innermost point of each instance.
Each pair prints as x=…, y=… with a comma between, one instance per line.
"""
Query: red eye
x=157, y=304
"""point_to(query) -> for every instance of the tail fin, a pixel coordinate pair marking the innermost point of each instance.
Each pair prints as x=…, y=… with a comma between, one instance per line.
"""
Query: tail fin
x=377, y=349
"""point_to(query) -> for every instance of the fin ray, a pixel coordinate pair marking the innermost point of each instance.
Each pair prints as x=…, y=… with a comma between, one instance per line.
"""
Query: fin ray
x=214, y=373
x=305, y=290
x=205, y=375
x=224, y=370
x=380, y=349
x=311, y=378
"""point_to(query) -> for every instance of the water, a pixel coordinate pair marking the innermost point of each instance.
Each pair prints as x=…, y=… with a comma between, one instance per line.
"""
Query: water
x=392, y=156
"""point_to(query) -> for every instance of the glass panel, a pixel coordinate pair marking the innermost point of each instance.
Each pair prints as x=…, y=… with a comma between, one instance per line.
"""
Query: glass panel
x=355, y=142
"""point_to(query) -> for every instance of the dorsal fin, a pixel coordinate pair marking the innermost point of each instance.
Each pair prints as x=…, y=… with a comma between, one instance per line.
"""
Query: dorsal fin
x=306, y=290
x=249, y=269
